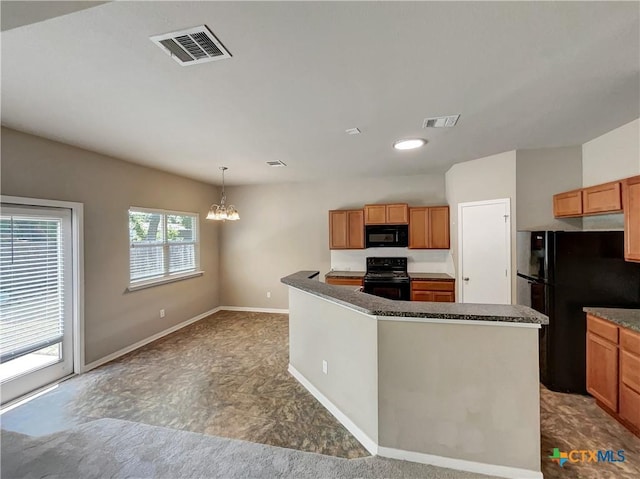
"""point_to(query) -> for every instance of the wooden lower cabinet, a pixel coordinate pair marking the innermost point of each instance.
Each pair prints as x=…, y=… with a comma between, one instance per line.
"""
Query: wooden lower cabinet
x=344, y=281
x=631, y=203
x=602, y=370
x=613, y=370
x=435, y=291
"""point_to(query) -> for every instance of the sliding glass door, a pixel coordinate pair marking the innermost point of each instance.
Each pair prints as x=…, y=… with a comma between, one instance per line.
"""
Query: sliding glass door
x=36, y=317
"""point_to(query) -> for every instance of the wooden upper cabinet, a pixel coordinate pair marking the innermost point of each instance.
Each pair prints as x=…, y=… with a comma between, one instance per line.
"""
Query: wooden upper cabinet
x=631, y=203
x=393, y=214
x=355, y=222
x=604, y=198
x=375, y=214
x=569, y=204
x=419, y=227
x=429, y=227
x=398, y=214
x=346, y=229
x=439, y=227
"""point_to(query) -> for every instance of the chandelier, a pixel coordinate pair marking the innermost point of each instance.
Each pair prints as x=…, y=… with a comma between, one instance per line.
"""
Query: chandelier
x=221, y=211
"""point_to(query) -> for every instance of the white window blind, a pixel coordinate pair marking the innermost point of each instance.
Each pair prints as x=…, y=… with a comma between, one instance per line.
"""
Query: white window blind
x=164, y=244
x=32, y=284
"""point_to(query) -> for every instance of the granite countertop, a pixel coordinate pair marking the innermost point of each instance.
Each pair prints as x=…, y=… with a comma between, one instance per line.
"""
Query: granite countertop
x=360, y=274
x=627, y=318
x=377, y=306
x=433, y=276
x=345, y=274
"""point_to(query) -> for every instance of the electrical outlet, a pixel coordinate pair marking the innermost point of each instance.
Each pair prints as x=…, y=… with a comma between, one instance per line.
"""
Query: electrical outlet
x=325, y=367
x=162, y=313
x=268, y=294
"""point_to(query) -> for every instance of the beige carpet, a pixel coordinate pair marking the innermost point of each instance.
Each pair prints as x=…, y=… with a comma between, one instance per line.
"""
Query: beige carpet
x=112, y=448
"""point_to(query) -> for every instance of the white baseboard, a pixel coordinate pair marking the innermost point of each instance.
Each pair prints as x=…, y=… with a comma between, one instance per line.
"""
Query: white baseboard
x=369, y=444
x=422, y=458
x=459, y=464
x=254, y=310
x=150, y=339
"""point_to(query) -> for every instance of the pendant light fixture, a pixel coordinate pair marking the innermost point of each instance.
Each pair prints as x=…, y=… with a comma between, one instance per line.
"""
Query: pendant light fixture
x=221, y=211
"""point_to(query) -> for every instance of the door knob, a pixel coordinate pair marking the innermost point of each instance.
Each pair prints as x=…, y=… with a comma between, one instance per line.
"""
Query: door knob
x=465, y=279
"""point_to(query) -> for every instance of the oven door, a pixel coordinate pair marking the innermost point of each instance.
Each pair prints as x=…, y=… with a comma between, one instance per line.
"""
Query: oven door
x=386, y=289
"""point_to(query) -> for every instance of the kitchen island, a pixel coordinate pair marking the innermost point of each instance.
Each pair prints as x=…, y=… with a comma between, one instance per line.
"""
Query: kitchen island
x=454, y=385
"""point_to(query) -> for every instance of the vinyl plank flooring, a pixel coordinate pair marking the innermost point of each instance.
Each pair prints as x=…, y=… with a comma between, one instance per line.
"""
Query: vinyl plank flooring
x=226, y=375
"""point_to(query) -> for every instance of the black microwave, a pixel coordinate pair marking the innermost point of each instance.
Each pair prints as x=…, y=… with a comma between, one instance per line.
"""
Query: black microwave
x=387, y=236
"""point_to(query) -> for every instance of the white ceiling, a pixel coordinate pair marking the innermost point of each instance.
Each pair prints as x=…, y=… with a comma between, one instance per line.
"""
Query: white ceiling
x=522, y=75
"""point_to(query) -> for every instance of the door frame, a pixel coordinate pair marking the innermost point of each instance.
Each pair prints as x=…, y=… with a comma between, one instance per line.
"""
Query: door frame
x=503, y=201
x=77, y=268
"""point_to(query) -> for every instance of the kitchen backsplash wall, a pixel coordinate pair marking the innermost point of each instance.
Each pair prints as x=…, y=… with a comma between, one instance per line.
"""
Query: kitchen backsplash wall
x=427, y=261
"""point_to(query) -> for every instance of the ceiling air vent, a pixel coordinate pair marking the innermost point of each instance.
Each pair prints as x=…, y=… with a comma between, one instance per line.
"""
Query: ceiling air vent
x=440, y=121
x=191, y=46
x=276, y=164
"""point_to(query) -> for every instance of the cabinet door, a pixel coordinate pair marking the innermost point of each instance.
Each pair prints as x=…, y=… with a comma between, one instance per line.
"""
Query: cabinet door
x=631, y=201
x=375, y=214
x=567, y=204
x=439, y=227
x=629, y=405
x=602, y=198
x=444, y=297
x=355, y=236
x=418, y=227
x=602, y=370
x=397, y=214
x=422, y=295
x=338, y=229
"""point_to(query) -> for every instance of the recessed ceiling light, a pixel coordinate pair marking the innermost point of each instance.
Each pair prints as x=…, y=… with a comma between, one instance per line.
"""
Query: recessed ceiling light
x=352, y=131
x=409, y=143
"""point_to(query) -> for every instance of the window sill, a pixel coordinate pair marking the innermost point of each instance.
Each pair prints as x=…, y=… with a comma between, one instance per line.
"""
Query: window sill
x=157, y=282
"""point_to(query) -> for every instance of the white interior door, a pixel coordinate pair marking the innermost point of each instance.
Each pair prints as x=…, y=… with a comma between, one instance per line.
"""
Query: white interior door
x=484, y=239
x=36, y=303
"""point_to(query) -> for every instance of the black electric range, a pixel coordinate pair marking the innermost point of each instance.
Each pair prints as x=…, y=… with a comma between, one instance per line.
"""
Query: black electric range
x=388, y=278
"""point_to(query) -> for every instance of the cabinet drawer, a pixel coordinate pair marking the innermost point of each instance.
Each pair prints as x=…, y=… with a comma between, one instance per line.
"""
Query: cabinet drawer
x=630, y=341
x=602, y=328
x=422, y=295
x=629, y=405
x=602, y=198
x=417, y=285
x=444, y=297
x=344, y=281
x=567, y=204
x=630, y=370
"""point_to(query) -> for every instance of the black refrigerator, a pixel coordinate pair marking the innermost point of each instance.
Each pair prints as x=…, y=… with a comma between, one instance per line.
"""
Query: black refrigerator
x=559, y=273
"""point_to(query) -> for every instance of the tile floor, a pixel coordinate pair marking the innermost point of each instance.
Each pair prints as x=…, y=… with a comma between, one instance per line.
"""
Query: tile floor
x=227, y=375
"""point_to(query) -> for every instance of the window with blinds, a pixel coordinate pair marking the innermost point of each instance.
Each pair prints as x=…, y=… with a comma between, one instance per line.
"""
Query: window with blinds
x=32, y=284
x=164, y=245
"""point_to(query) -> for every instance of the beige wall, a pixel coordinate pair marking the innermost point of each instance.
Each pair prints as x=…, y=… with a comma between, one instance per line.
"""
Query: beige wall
x=612, y=156
x=321, y=330
x=540, y=174
x=487, y=178
x=38, y=168
x=463, y=391
x=285, y=228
